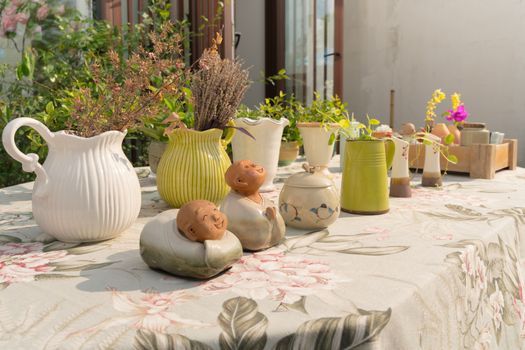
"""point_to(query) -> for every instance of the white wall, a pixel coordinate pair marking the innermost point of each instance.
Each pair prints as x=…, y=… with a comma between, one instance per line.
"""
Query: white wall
x=249, y=21
x=475, y=47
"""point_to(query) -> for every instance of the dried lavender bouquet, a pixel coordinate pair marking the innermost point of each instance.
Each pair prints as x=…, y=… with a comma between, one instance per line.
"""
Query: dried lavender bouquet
x=217, y=87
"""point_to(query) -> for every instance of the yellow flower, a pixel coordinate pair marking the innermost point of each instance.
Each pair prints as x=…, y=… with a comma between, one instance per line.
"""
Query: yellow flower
x=437, y=97
x=456, y=100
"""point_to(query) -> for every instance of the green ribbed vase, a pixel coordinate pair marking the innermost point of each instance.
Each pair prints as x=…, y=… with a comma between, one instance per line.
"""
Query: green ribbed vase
x=193, y=167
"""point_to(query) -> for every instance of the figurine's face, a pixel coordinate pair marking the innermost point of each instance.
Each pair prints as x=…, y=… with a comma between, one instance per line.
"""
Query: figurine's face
x=200, y=220
x=245, y=176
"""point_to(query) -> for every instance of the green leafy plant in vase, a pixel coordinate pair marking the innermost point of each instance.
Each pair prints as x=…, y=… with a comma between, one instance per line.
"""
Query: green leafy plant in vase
x=87, y=190
x=318, y=126
x=266, y=124
x=178, y=107
x=287, y=107
x=364, y=188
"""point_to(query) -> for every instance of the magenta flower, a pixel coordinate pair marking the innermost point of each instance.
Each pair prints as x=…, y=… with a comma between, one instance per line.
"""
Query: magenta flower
x=459, y=115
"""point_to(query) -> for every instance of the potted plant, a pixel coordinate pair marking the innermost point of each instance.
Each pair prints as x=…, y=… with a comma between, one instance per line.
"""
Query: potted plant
x=263, y=148
x=266, y=124
x=194, y=163
x=318, y=126
x=87, y=190
x=352, y=131
x=364, y=187
x=178, y=107
x=436, y=139
x=457, y=115
x=276, y=108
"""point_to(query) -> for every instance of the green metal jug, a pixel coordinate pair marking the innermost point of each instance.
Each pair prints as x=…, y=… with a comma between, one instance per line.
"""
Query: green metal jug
x=364, y=187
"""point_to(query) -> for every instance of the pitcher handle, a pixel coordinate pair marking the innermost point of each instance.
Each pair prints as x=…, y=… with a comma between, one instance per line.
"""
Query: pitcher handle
x=29, y=161
x=390, y=148
x=228, y=136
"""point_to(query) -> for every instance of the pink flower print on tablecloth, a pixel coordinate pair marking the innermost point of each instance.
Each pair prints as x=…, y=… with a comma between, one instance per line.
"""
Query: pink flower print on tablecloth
x=382, y=233
x=445, y=195
x=519, y=302
x=274, y=275
x=152, y=310
x=497, y=304
x=21, y=262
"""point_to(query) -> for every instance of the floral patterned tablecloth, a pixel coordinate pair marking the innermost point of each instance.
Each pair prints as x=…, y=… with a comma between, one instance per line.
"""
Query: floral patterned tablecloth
x=441, y=270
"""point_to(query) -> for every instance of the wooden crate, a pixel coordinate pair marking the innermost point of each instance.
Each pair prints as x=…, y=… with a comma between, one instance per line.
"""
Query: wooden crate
x=480, y=161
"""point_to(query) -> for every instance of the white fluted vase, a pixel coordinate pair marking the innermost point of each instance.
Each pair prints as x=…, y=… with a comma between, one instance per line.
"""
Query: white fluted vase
x=86, y=190
x=316, y=142
x=264, y=150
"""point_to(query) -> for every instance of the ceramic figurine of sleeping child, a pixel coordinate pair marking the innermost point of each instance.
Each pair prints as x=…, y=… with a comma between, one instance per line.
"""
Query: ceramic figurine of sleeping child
x=254, y=219
x=192, y=241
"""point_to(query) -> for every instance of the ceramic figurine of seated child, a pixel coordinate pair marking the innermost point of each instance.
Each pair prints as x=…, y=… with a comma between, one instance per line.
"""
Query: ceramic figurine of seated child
x=251, y=217
x=193, y=242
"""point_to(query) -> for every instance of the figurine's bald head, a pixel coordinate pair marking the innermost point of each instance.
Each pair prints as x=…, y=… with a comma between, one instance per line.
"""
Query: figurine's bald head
x=200, y=220
x=245, y=177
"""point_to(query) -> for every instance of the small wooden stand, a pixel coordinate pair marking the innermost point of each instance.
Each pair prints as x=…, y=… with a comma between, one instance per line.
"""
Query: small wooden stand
x=480, y=161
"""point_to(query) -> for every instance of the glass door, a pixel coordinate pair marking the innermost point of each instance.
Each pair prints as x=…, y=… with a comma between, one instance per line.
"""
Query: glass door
x=312, y=57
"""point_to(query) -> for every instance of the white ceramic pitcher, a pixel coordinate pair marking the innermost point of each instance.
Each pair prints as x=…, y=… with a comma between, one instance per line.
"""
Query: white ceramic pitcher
x=400, y=176
x=86, y=190
x=264, y=150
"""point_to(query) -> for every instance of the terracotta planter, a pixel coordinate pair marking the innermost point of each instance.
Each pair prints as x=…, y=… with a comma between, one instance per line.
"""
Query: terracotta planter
x=440, y=130
x=288, y=153
x=155, y=151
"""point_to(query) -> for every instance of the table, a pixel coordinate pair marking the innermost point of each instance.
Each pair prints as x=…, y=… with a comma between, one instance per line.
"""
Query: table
x=441, y=270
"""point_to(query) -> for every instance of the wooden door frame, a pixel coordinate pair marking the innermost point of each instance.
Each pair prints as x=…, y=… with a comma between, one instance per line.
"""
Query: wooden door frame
x=208, y=9
x=274, y=30
x=111, y=11
x=275, y=44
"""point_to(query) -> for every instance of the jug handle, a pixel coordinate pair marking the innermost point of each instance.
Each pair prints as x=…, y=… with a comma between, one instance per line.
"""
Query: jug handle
x=390, y=148
x=228, y=136
x=29, y=161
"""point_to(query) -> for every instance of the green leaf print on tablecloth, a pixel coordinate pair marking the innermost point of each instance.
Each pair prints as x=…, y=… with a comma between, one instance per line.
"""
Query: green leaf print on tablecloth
x=242, y=325
x=322, y=243
x=148, y=340
x=337, y=332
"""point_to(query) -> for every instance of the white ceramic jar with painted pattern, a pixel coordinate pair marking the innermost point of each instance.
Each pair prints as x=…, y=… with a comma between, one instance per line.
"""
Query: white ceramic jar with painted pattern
x=309, y=200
